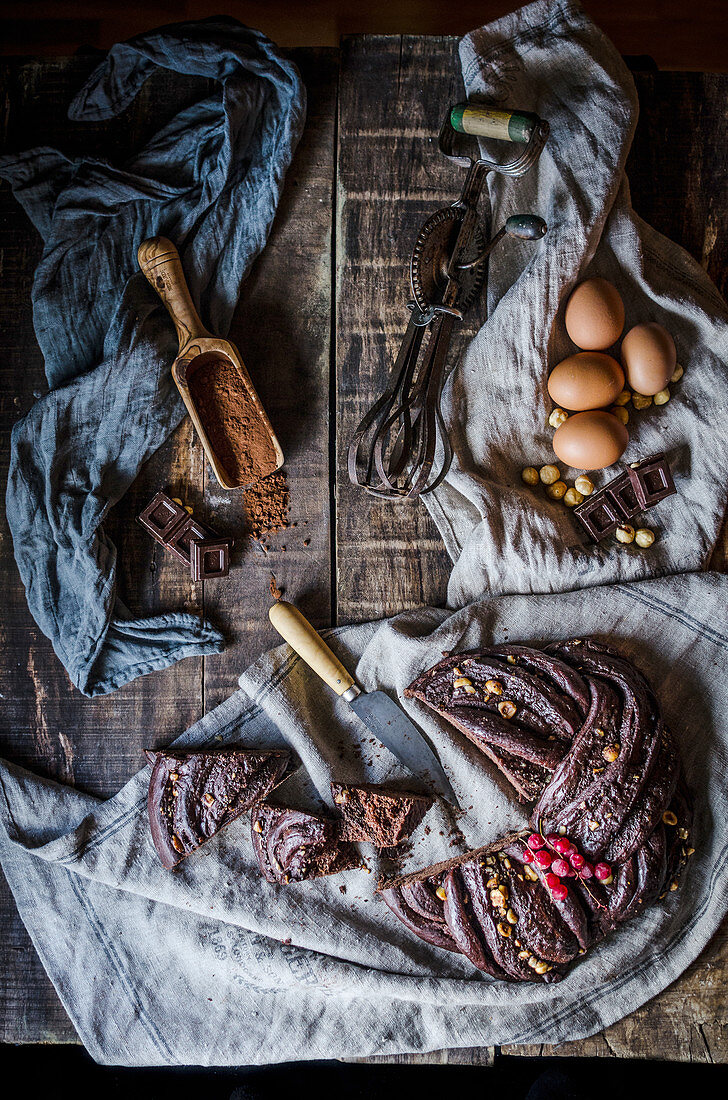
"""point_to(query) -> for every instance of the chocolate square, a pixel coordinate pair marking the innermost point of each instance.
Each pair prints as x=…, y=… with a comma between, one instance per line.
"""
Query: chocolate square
x=210, y=559
x=598, y=515
x=181, y=541
x=621, y=493
x=652, y=480
x=161, y=517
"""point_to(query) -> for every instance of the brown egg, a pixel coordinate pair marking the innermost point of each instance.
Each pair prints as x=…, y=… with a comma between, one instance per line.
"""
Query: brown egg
x=590, y=440
x=649, y=358
x=594, y=316
x=587, y=380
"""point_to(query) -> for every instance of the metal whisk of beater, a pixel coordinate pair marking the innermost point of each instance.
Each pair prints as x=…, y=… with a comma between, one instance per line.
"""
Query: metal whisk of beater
x=393, y=452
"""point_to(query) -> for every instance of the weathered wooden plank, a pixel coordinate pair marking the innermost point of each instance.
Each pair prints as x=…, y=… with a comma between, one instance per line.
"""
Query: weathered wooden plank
x=391, y=177
x=282, y=328
x=283, y=325
x=680, y=142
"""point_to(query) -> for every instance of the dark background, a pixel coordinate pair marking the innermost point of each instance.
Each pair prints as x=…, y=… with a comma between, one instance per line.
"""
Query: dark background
x=677, y=34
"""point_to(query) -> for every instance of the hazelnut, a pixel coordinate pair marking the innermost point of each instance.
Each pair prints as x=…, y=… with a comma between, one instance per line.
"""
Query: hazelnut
x=462, y=681
x=557, y=418
x=572, y=497
x=494, y=687
x=593, y=825
x=641, y=401
x=258, y=826
x=662, y=397
x=524, y=954
x=677, y=374
x=511, y=659
x=599, y=732
x=669, y=817
x=177, y=843
x=441, y=893
x=504, y=929
x=529, y=474
x=611, y=752
x=556, y=490
x=549, y=474
x=644, y=537
x=624, y=533
x=174, y=776
x=584, y=485
x=529, y=872
x=620, y=412
x=542, y=967
x=492, y=882
x=674, y=884
x=623, y=398
x=209, y=798
x=512, y=916
x=507, y=708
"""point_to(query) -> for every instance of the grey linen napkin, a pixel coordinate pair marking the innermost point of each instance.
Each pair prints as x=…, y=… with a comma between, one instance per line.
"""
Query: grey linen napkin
x=503, y=535
x=212, y=965
x=210, y=179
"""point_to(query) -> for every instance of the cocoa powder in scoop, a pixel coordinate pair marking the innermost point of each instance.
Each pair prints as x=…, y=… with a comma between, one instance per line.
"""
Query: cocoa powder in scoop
x=234, y=425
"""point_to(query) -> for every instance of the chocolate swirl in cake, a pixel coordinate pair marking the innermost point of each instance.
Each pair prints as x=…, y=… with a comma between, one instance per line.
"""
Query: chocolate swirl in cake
x=576, y=728
x=292, y=845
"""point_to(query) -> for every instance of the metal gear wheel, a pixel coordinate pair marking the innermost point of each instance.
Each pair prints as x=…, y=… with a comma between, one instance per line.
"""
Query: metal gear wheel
x=430, y=255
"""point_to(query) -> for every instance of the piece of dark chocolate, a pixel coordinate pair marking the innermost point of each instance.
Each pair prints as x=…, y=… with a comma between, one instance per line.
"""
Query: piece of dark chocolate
x=161, y=517
x=180, y=542
x=652, y=480
x=622, y=494
x=210, y=559
x=598, y=516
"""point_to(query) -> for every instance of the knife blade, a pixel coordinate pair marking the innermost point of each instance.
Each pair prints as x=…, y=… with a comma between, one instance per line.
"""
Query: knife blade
x=380, y=714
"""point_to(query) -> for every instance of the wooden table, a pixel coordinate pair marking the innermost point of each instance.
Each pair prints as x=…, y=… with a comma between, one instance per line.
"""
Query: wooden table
x=317, y=323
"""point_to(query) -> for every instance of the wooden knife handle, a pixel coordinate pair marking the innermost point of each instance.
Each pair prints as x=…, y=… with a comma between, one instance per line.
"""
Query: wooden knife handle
x=310, y=646
x=160, y=262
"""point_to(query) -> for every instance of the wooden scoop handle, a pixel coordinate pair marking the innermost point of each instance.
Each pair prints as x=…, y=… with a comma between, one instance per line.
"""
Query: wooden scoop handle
x=160, y=262
x=310, y=646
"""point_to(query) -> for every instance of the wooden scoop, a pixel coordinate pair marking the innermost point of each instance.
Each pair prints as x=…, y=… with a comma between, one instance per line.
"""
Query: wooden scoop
x=160, y=262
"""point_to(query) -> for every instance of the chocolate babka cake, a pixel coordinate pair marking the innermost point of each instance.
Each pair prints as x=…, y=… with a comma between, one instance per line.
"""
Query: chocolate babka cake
x=292, y=845
x=192, y=795
x=576, y=728
x=378, y=815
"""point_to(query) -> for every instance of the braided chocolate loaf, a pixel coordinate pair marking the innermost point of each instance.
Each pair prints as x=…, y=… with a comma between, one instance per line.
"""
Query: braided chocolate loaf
x=576, y=729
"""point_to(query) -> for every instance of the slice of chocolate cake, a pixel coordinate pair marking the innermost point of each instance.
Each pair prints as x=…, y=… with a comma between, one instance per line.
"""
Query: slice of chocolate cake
x=292, y=845
x=192, y=795
x=378, y=815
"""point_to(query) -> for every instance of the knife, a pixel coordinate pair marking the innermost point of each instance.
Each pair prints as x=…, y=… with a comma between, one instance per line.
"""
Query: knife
x=383, y=717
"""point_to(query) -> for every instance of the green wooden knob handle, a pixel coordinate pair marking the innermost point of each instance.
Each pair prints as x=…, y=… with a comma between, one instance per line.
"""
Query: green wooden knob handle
x=490, y=122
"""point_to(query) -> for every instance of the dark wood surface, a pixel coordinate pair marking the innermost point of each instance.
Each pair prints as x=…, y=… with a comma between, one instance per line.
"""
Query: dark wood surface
x=317, y=323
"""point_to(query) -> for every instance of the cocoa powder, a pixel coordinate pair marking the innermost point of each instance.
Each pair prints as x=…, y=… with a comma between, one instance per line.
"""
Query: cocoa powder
x=237, y=432
x=266, y=505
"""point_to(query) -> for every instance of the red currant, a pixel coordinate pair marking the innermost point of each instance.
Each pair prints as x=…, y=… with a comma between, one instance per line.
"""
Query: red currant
x=527, y=856
x=561, y=867
x=559, y=892
x=586, y=870
x=562, y=844
x=543, y=858
x=535, y=841
x=551, y=838
x=552, y=880
x=603, y=871
x=576, y=860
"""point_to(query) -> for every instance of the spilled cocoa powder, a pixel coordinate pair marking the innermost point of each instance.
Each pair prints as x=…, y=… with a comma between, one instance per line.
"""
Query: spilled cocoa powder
x=238, y=433
x=266, y=505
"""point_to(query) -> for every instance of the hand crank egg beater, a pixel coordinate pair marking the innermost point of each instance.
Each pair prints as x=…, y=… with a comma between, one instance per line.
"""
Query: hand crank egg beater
x=393, y=451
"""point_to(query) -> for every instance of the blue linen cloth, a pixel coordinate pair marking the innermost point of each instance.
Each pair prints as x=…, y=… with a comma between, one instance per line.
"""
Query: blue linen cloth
x=210, y=179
